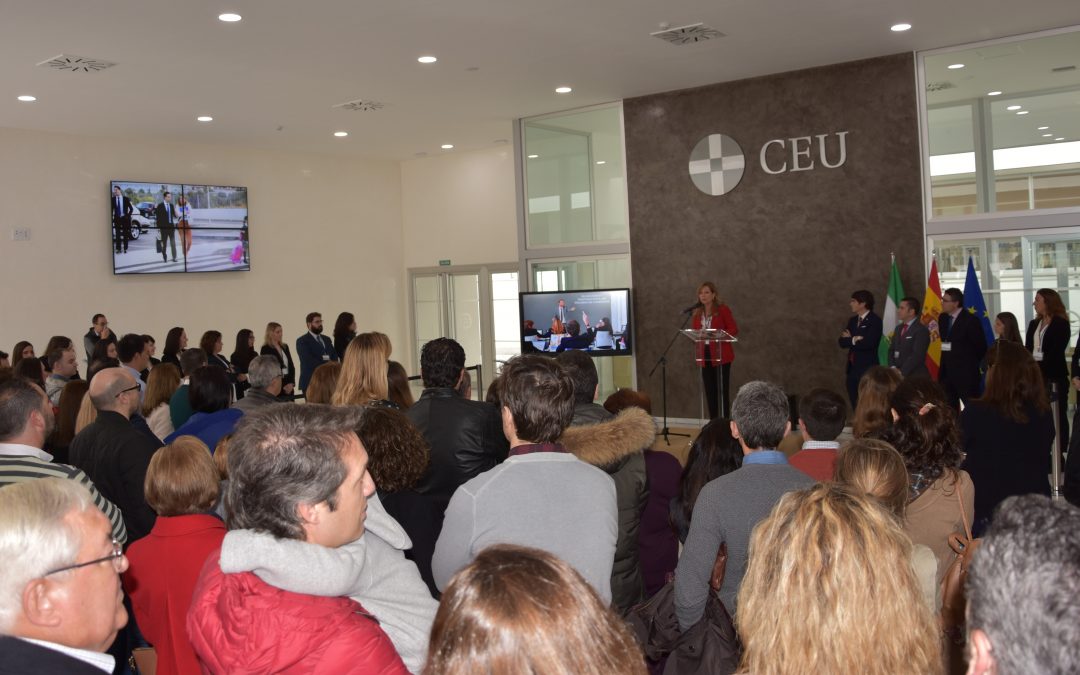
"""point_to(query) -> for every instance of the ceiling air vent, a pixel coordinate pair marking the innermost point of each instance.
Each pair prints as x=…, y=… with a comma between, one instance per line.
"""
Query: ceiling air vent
x=939, y=86
x=76, y=64
x=361, y=105
x=1062, y=69
x=686, y=35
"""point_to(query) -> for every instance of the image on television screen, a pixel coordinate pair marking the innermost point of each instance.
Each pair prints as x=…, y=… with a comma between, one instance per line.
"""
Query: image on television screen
x=162, y=228
x=595, y=321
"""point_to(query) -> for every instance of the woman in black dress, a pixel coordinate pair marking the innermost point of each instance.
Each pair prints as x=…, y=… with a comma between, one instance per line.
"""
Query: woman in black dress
x=1047, y=337
x=344, y=332
x=274, y=345
x=241, y=357
x=175, y=343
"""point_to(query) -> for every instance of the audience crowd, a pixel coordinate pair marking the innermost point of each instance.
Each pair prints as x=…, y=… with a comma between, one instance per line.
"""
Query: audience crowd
x=258, y=514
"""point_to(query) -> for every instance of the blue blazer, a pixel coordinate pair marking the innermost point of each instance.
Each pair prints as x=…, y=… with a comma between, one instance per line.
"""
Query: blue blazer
x=311, y=352
x=864, y=353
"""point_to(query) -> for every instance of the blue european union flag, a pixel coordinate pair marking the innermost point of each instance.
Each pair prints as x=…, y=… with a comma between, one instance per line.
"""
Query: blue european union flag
x=976, y=305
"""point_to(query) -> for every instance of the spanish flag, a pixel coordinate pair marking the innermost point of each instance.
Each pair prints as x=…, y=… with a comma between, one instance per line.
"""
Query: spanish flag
x=931, y=309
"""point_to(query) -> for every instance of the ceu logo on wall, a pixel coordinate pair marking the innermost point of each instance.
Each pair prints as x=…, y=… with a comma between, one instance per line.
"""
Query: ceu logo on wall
x=716, y=164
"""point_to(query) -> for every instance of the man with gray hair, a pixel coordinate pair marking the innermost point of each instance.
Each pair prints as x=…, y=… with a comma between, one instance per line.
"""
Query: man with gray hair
x=1024, y=590
x=113, y=453
x=26, y=420
x=728, y=508
x=60, y=600
x=297, y=473
x=264, y=376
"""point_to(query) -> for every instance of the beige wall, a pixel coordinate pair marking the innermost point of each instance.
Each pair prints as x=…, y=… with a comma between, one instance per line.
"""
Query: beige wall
x=460, y=207
x=325, y=236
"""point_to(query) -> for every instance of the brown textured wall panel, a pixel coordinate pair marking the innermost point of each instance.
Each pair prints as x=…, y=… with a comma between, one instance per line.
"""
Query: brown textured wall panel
x=787, y=250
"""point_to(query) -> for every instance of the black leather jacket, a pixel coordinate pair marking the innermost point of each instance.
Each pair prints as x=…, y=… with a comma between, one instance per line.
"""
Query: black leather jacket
x=466, y=440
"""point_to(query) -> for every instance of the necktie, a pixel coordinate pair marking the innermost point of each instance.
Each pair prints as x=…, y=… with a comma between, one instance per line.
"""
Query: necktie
x=903, y=330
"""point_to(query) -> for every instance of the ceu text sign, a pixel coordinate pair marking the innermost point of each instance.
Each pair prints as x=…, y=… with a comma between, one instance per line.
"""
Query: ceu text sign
x=717, y=163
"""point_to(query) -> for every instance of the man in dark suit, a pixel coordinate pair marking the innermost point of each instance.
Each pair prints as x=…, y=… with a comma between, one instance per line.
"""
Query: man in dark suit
x=314, y=349
x=861, y=338
x=166, y=224
x=910, y=340
x=121, y=216
x=61, y=579
x=963, y=346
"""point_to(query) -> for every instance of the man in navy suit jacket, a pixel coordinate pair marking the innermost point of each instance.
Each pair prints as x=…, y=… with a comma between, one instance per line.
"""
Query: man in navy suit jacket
x=910, y=340
x=313, y=348
x=963, y=346
x=121, y=215
x=861, y=339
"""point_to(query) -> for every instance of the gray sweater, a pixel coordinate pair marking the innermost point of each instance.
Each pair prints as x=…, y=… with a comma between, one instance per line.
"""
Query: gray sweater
x=547, y=500
x=727, y=509
x=372, y=570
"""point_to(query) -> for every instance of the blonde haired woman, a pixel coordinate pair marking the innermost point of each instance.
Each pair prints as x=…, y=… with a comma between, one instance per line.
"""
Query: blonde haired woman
x=712, y=355
x=830, y=589
x=363, y=371
x=274, y=345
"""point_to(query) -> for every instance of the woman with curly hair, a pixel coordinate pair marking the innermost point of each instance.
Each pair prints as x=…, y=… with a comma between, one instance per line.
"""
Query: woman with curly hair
x=872, y=411
x=522, y=610
x=942, y=496
x=830, y=589
x=398, y=456
x=363, y=372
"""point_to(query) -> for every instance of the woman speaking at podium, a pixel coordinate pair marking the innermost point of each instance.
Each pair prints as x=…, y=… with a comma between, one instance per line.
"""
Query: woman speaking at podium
x=713, y=354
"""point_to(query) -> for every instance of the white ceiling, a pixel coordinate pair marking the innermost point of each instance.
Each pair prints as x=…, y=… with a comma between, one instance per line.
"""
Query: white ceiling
x=288, y=62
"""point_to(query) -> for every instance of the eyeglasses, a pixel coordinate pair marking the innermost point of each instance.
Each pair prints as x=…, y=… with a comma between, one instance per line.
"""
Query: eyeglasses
x=117, y=558
x=124, y=391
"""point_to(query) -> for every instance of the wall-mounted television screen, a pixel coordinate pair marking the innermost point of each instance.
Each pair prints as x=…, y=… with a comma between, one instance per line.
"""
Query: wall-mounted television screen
x=162, y=228
x=594, y=321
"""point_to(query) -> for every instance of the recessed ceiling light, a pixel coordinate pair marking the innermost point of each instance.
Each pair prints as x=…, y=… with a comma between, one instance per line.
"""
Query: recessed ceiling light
x=1059, y=139
x=1043, y=128
x=447, y=146
x=427, y=59
x=1023, y=112
x=993, y=93
x=229, y=17
x=956, y=66
x=563, y=90
x=533, y=156
x=26, y=98
x=1014, y=107
x=602, y=162
x=1047, y=135
x=900, y=27
x=341, y=134
x=205, y=118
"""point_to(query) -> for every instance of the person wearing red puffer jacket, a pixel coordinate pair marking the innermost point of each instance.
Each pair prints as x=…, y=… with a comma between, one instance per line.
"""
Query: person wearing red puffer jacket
x=296, y=472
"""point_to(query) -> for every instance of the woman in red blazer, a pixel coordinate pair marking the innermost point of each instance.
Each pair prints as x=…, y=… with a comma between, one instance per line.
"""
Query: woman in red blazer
x=715, y=355
x=181, y=486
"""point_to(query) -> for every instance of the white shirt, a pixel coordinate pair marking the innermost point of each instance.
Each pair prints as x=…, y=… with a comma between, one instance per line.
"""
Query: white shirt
x=103, y=661
x=20, y=450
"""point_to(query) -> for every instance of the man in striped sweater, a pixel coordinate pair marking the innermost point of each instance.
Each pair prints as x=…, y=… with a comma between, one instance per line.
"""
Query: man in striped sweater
x=26, y=420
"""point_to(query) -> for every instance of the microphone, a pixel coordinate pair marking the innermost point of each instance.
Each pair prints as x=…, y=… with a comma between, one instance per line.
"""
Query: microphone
x=696, y=305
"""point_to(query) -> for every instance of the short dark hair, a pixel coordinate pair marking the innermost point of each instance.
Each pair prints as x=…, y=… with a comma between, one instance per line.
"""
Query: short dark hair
x=130, y=346
x=100, y=316
x=57, y=354
x=540, y=396
x=441, y=362
x=865, y=297
x=955, y=294
x=312, y=316
x=824, y=413
x=582, y=371
x=913, y=303
x=190, y=359
x=1023, y=584
x=573, y=327
x=18, y=398
x=149, y=339
x=285, y=456
x=208, y=390
x=166, y=194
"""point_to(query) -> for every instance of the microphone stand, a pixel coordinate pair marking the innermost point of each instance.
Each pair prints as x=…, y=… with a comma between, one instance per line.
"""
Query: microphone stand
x=662, y=364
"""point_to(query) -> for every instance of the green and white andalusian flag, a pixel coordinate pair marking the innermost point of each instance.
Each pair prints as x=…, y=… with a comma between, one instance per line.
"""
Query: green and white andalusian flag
x=892, y=301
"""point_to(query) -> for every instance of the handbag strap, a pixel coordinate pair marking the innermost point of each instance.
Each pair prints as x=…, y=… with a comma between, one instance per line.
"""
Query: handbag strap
x=960, y=499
